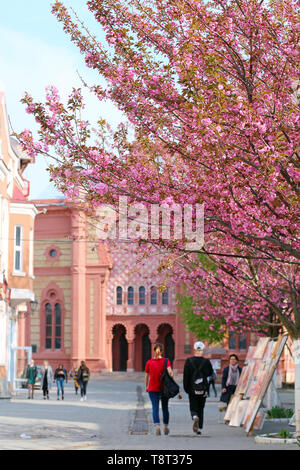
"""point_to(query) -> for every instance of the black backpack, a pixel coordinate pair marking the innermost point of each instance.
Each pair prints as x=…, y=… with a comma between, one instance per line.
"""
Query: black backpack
x=199, y=382
x=170, y=387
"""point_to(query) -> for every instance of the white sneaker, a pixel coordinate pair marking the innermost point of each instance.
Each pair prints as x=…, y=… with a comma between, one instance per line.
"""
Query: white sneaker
x=81, y=399
x=85, y=398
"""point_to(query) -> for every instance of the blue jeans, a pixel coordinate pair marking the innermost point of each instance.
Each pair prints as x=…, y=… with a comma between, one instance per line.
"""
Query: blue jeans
x=60, y=385
x=155, y=397
x=212, y=382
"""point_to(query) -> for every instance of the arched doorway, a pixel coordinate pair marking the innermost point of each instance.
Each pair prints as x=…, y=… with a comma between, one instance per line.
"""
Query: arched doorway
x=146, y=350
x=119, y=348
x=142, y=347
x=169, y=347
x=165, y=337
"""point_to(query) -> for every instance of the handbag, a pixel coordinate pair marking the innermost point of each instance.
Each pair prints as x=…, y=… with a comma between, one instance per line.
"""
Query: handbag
x=170, y=387
x=225, y=397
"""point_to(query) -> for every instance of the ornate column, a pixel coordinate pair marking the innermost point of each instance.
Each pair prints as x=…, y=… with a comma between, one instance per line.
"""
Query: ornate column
x=109, y=339
x=130, y=361
x=102, y=323
x=78, y=298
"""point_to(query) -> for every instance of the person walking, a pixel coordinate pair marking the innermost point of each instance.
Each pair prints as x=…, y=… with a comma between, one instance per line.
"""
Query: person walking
x=31, y=375
x=230, y=378
x=83, y=379
x=196, y=371
x=153, y=384
x=74, y=375
x=60, y=376
x=46, y=379
x=211, y=381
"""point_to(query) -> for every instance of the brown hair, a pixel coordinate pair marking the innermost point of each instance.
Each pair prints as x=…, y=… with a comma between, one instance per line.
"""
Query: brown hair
x=158, y=345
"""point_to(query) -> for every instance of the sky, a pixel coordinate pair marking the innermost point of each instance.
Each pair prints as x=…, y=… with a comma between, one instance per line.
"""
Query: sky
x=35, y=53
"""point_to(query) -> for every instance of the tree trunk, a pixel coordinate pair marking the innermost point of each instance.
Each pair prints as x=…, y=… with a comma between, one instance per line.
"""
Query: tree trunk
x=296, y=345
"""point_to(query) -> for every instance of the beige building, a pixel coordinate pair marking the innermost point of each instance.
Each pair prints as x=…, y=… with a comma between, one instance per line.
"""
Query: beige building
x=16, y=250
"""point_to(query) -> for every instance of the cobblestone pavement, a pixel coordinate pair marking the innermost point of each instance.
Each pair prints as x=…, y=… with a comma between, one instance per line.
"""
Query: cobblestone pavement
x=117, y=415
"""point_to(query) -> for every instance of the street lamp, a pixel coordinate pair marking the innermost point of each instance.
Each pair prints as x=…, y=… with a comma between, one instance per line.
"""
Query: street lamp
x=33, y=305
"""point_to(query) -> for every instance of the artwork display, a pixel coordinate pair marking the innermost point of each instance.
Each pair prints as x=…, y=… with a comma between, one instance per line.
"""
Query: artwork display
x=260, y=365
x=244, y=379
x=232, y=405
x=239, y=414
x=260, y=348
x=252, y=407
x=259, y=420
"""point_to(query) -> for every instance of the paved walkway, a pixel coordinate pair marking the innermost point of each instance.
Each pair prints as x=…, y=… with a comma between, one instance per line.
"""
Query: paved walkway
x=105, y=421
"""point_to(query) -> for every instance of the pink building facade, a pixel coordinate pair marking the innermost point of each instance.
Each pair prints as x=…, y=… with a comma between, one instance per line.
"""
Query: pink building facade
x=96, y=302
x=99, y=304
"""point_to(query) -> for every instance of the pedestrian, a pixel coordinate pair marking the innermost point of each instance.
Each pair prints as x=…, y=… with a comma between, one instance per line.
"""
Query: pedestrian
x=60, y=376
x=46, y=379
x=153, y=384
x=74, y=375
x=211, y=381
x=230, y=378
x=31, y=375
x=83, y=379
x=196, y=371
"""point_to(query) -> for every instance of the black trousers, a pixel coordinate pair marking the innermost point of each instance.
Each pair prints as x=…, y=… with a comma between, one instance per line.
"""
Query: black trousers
x=83, y=386
x=45, y=388
x=197, y=404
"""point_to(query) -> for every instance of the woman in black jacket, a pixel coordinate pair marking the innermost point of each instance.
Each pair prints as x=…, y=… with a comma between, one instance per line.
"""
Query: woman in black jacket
x=83, y=378
x=230, y=378
x=60, y=376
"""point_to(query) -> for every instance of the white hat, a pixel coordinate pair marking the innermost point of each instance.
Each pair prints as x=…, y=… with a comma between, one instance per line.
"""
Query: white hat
x=198, y=346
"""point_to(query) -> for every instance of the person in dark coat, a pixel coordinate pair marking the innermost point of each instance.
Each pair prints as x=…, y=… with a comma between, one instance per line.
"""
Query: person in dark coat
x=46, y=379
x=230, y=378
x=83, y=378
x=212, y=383
x=196, y=401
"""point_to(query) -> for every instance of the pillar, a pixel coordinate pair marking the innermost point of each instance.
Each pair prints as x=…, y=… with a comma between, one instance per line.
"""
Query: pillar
x=78, y=286
x=130, y=361
x=152, y=341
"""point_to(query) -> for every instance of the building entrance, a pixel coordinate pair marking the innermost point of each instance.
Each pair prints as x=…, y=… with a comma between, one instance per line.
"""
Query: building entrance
x=119, y=348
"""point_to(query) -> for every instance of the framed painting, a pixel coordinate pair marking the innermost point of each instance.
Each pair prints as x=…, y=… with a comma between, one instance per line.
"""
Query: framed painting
x=259, y=420
x=239, y=413
x=232, y=405
x=263, y=381
x=260, y=348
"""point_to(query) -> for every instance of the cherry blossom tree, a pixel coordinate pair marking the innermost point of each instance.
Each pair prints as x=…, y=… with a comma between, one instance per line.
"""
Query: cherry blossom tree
x=209, y=89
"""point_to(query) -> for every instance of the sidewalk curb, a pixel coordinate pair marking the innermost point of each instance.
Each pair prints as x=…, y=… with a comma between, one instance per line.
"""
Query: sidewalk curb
x=264, y=439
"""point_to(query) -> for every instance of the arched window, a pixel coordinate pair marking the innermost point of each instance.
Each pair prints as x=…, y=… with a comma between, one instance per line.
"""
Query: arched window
x=53, y=325
x=52, y=315
x=130, y=296
x=119, y=295
x=58, y=326
x=165, y=297
x=142, y=295
x=48, y=338
x=153, y=295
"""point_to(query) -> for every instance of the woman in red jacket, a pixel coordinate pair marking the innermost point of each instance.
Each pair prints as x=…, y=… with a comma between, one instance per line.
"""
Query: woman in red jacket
x=153, y=385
